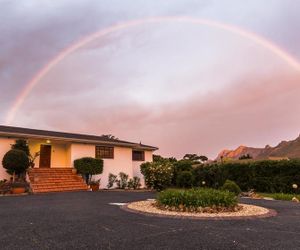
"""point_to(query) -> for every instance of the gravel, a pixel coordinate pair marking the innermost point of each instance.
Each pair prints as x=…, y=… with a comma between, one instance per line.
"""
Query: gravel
x=148, y=206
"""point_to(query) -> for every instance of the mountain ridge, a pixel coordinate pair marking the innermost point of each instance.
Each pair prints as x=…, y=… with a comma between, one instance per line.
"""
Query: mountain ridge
x=285, y=149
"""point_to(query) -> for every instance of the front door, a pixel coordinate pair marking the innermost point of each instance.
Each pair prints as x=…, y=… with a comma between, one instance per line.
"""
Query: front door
x=45, y=156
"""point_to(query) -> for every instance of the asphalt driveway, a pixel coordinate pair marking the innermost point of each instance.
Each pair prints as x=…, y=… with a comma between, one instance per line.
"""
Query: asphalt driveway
x=85, y=220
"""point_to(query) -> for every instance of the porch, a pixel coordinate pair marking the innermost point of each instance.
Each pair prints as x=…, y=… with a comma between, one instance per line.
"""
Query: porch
x=50, y=154
x=53, y=170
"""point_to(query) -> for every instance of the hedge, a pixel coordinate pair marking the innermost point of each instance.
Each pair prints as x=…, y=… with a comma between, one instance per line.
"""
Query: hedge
x=263, y=176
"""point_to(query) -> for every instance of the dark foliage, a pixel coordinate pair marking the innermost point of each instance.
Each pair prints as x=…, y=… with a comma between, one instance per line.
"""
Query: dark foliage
x=89, y=166
x=184, y=179
x=15, y=161
x=262, y=176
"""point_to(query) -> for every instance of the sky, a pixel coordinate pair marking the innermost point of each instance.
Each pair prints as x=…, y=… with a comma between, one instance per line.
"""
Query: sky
x=180, y=86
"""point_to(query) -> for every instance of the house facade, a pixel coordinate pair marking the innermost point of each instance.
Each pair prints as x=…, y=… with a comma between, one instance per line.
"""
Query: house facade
x=59, y=150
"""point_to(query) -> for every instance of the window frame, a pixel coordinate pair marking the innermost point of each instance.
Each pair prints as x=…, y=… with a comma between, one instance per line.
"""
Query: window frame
x=110, y=155
x=139, y=159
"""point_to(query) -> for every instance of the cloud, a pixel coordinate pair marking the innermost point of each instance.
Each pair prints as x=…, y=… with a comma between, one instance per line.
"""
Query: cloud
x=255, y=111
x=255, y=107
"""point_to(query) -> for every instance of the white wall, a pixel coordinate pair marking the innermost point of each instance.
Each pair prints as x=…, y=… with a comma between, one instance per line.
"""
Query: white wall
x=64, y=156
x=136, y=166
x=5, y=146
x=122, y=161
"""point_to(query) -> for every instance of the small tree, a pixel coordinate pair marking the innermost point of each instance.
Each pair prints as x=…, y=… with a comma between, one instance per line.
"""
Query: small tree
x=89, y=166
x=21, y=145
x=158, y=175
x=16, y=162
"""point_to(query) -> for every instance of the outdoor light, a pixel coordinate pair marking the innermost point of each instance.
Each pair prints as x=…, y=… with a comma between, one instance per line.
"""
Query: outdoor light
x=48, y=141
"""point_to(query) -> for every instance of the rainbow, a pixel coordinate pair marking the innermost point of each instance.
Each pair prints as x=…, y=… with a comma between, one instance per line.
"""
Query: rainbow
x=261, y=41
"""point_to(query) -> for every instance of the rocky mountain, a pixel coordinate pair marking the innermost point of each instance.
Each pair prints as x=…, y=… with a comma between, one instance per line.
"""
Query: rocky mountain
x=285, y=149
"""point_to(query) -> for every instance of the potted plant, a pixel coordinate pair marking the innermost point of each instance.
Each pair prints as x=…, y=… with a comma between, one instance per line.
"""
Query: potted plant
x=95, y=185
x=18, y=187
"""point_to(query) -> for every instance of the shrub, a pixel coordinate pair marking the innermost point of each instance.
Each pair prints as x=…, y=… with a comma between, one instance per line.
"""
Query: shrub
x=88, y=166
x=158, y=175
x=15, y=162
x=123, y=181
x=195, y=198
x=111, y=180
x=179, y=166
x=231, y=186
x=184, y=179
x=134, y=183
x=262, y=176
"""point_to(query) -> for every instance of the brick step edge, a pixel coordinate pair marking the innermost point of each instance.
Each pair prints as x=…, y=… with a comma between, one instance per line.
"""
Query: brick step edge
x=57, y=190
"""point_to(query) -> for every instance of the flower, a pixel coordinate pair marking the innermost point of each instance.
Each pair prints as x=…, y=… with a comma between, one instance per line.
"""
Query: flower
x=295, y=186
x=203, y=182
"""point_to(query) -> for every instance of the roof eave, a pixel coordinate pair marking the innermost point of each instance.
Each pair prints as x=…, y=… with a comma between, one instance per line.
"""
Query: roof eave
x=75, y=140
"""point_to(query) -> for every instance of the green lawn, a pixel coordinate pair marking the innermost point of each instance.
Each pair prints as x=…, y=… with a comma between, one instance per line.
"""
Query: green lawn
x=281, y=196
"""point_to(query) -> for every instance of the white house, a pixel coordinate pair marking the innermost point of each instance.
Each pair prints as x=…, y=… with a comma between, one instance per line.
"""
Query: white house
x=58, y=150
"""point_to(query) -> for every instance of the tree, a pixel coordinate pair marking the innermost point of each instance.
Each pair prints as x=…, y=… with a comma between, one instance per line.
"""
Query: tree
x=21, y=144
x=89, y=166
x=195, y=158
x=203, y=158
x=159, y=158
x=109, y=136
x=16, y=162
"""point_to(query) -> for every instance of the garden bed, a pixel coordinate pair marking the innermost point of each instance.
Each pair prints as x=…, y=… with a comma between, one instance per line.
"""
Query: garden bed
x=245, y=211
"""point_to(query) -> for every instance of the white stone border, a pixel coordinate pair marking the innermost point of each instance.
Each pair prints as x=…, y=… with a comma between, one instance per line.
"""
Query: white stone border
x=247, y=211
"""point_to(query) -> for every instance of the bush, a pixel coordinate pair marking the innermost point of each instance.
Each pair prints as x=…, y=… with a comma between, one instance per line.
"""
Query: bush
x=231, y=186
x=184, y=179
x=262, y=176
x=179, y=166
x=158, y=175
x=195, y=198
x=15, y=162
x=123, y=181
x=88, y=166
x=134, y=183
x=111, y=180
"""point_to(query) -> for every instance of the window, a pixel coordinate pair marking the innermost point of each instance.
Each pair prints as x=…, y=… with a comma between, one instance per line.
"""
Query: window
x=103, y=152
x=138, y=155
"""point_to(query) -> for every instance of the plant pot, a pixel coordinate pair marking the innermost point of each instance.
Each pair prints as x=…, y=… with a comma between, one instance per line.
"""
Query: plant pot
x=94, y=187
x=18, y=190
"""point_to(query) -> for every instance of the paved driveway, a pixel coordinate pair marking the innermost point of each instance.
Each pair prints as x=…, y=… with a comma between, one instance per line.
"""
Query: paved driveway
x=85, y=220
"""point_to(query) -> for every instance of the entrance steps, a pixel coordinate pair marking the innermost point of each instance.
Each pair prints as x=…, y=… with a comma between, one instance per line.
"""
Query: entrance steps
x=44, y=180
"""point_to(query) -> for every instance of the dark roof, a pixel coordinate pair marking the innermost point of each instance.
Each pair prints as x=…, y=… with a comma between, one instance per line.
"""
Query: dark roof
x=9, y=131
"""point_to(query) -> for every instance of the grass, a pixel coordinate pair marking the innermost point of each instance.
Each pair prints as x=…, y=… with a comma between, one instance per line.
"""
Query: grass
x=200, y=197
x=280, y=196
